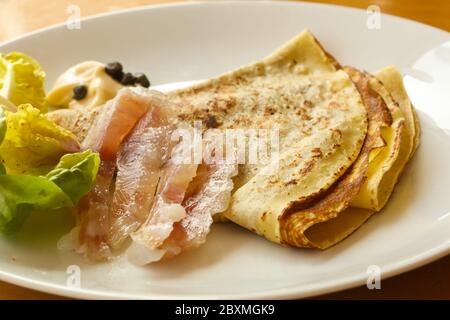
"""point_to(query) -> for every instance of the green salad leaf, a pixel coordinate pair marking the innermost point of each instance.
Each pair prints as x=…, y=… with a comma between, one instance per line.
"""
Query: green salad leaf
x=32, y=144
x=2, y=124
x=20, y=195
x=2, y=136
x=22, y=80
x=75, y=173
x=62, y=187
x=41, y=168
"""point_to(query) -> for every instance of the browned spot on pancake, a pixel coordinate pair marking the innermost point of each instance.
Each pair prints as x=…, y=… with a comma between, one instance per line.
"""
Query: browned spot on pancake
x=269, y=111
x=317, y=153
x=222, y=105
x=273, y=179
x=211, y=122
x=291, y=182
x=334, y=105
x=305, y=116
x=182, y=116
x=307, y=104
x=308, y=167
x=263, y=216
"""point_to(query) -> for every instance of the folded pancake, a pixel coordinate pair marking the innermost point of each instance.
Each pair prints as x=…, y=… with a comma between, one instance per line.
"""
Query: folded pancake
x=392, y=80
x=322, y=124
x=401, y=138
x=296, y=222
x=311, y=196
x=385, y=165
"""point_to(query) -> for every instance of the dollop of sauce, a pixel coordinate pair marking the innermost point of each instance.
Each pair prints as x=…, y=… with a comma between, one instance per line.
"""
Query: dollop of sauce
x=100, y=86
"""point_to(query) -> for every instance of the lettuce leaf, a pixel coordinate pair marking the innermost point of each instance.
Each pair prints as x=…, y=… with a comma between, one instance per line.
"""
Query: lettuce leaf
x=27, y=136
x=75, y=173
x=22, y=80
x=20, y=195
x=2, y=136
x=2, y=124
x=62, y=187
x=32, y=144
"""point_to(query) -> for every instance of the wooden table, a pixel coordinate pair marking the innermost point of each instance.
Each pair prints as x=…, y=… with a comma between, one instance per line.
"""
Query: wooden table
x=429, y=282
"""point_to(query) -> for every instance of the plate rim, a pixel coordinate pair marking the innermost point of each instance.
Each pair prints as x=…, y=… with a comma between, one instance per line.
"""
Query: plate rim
x=179, y=3
x=292, y=292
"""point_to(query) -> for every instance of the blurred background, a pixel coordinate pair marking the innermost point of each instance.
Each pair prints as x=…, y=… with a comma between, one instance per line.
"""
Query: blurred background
x=18, y=17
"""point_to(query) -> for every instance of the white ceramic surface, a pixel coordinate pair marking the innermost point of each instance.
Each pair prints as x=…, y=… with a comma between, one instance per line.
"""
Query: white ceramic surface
x=175, y=43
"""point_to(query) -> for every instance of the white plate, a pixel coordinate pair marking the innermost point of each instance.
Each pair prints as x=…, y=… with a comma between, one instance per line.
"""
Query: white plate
x=174, y=43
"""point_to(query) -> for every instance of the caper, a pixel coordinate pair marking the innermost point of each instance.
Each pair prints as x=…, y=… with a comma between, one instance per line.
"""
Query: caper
x=128, y=79
x=115, y=70
x=142, y=79
x=79, y=92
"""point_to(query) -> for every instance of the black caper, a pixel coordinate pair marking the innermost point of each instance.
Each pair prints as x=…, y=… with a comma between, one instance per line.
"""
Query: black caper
x=142, y=79
x=115, y=70
x=128, y=79
x=211, y=122
x=79, y=92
